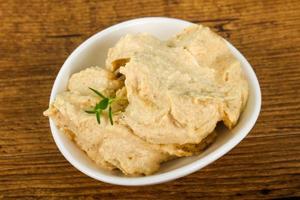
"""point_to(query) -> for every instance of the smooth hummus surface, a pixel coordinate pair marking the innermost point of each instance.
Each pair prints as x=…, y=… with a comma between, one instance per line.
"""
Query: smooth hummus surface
x=171, y=96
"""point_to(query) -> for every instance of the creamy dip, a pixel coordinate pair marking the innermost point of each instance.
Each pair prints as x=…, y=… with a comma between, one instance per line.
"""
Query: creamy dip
x=171, y=96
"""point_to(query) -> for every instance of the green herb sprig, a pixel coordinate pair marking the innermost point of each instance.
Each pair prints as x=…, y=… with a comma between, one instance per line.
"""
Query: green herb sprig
x=102, y=105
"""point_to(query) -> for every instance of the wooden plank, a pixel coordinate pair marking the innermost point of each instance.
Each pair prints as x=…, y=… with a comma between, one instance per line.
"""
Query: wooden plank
x=37, y=36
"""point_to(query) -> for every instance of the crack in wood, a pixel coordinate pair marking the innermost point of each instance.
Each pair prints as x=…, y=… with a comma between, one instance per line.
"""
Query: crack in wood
x=215, y=20
x=64, y=36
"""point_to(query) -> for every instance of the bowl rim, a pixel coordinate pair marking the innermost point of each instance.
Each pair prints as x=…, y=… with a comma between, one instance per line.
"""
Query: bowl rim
x=173, y=174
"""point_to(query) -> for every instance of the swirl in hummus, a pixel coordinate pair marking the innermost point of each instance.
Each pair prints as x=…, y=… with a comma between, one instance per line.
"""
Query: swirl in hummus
x=173, y=93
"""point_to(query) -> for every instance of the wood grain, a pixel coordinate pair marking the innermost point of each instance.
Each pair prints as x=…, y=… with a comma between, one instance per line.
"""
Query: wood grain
x=36, y=36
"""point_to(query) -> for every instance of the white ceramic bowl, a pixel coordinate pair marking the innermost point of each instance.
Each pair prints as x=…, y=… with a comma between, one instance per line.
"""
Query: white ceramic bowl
x=93, y=52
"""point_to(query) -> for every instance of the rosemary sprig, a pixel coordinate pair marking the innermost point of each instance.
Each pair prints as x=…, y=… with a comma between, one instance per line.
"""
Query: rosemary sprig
x=102, y=105
x=97, y=92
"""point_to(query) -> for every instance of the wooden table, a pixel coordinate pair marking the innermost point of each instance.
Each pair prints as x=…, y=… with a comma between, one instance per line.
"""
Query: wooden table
x=37, y=36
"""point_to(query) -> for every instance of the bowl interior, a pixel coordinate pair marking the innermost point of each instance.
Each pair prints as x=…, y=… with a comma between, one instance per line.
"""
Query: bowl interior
x=94, y=51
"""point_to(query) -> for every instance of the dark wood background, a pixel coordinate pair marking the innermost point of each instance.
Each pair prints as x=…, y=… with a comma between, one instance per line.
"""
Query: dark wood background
x=36, y=36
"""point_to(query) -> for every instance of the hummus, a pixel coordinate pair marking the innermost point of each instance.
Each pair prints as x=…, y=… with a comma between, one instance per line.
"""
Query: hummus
x=171, y=96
